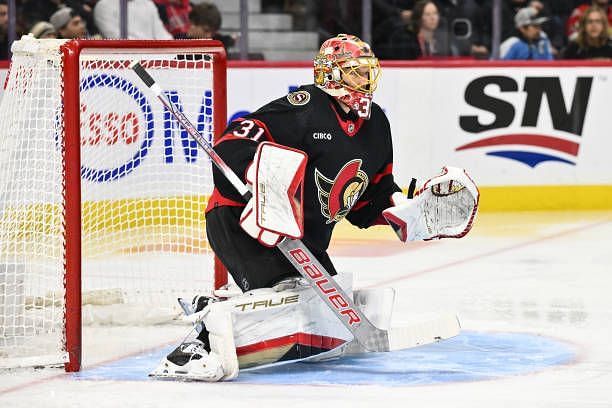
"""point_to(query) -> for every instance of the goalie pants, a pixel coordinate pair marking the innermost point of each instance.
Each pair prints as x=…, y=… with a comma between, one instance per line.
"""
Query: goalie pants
x=251, y=264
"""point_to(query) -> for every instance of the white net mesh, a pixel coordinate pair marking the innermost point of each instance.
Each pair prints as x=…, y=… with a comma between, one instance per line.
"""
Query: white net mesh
x=144, y=188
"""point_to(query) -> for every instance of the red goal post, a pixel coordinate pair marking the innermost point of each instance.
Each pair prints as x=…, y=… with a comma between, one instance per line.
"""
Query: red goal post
x=103, y=194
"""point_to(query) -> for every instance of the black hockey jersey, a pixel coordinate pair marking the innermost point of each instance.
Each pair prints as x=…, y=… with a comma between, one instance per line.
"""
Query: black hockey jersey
x=349, y=171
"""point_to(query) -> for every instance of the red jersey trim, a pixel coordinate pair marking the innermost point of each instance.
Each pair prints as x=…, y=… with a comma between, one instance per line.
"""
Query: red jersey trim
x=386, y=171
x=380, y=220
x=303, y=339
x=348, y=124
x=217, y=200
x=226, y=137
x=360, y=204
x=265, y=128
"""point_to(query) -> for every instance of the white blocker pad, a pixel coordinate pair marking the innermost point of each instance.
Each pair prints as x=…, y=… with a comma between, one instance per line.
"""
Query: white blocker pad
x=270, y=327
x=279, y=189
x=445, y=207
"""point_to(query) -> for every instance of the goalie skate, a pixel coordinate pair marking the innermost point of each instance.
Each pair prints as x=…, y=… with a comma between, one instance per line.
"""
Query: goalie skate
x=190, y=361
x=196, y=305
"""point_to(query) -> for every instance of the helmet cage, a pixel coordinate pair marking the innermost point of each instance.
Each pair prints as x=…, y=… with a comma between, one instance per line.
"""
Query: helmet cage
x=346, y=69
x=362, y=72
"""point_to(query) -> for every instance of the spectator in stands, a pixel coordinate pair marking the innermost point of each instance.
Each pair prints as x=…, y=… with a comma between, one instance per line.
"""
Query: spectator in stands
x=43, y=29
x=39, y=10
x=303, y=12
x=387, y=16
x=573, y=21
x=175, y=16
x=421, y=39
x=338, y=16
x=557, y=12
x=509, y=8
x=592, y=40
x=426, y=18
x=462, y=20
x=42, y=10
x=86, y=11
x=398, y=9
x=144, y=22
x=508, y=11
x=68, y=24
x=530, y=42
x=205, y=23
x=3, y=14
x=3, y=30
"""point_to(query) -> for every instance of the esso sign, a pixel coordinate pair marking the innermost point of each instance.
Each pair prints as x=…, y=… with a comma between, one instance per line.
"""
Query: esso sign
x=117, y=127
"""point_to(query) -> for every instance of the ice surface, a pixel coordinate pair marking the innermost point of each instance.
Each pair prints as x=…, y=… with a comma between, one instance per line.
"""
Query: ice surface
x=532, y=291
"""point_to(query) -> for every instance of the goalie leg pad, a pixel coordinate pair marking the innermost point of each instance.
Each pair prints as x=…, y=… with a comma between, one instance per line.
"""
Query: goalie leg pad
x=260, y=328
x=293, y=324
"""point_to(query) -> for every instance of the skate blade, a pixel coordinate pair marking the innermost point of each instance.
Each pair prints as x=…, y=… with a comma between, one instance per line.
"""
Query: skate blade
x=176, y=377
x=162, y=372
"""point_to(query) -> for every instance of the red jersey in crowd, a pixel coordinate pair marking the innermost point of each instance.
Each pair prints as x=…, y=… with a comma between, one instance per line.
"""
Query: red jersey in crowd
x=571, y=25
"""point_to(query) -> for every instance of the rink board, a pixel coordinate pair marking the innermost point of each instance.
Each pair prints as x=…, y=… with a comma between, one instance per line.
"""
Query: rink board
x=533, y=135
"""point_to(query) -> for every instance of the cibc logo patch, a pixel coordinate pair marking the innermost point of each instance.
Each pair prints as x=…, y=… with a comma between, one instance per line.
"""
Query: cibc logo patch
x=527, y=142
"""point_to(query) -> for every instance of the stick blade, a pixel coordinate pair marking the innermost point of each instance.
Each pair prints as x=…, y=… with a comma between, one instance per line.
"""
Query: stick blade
x=443, y=327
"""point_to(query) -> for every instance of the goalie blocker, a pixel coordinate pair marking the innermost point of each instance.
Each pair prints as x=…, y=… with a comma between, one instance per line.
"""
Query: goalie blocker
x=275, y=211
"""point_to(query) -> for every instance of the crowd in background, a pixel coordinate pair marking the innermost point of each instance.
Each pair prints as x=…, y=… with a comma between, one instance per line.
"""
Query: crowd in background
x=531, y=29
x=97, y=19
x=401, y=29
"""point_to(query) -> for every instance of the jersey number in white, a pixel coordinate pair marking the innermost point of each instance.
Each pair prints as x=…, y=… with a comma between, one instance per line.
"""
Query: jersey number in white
x=364, y=107
x=245, y=129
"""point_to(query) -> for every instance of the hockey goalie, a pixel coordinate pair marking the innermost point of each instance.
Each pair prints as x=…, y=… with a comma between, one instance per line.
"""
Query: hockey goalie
x=311, y=158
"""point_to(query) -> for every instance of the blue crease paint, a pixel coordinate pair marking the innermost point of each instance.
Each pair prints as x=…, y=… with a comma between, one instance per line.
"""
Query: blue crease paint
x=471, y=356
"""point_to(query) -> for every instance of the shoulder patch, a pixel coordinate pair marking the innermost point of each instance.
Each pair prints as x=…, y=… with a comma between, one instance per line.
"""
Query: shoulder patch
x=298, y=98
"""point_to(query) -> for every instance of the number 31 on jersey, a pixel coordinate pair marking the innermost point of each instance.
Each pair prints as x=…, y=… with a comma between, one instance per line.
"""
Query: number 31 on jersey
x=252, y=129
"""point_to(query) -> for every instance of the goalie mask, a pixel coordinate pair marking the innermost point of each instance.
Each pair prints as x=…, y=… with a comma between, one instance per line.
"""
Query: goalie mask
x=347, y=69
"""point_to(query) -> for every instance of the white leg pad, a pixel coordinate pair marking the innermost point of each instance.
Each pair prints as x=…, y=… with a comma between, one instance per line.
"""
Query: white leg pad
x=267, y=326
x=218, y=322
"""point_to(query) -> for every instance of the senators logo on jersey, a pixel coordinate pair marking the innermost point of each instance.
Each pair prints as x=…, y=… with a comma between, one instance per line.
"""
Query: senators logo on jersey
x=338, y=196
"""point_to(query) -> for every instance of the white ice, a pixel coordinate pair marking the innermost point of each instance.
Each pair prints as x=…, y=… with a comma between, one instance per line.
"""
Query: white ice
x=549, y=274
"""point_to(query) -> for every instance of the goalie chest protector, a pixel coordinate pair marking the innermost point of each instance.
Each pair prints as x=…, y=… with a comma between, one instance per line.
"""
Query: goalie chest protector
x=349, y=159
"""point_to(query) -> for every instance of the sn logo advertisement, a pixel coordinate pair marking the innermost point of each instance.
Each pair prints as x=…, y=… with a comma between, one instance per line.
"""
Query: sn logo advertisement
x=514, y=132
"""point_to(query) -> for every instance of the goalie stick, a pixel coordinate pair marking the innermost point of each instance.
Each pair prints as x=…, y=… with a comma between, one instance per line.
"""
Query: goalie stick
x=370, y=337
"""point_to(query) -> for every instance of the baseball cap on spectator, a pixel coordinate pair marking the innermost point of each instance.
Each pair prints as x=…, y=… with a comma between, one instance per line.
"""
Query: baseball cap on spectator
x=528, y=16
x=61, y=17
x=41, y=29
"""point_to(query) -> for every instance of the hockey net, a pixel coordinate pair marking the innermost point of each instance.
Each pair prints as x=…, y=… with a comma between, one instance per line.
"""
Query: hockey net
x=102, y=194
